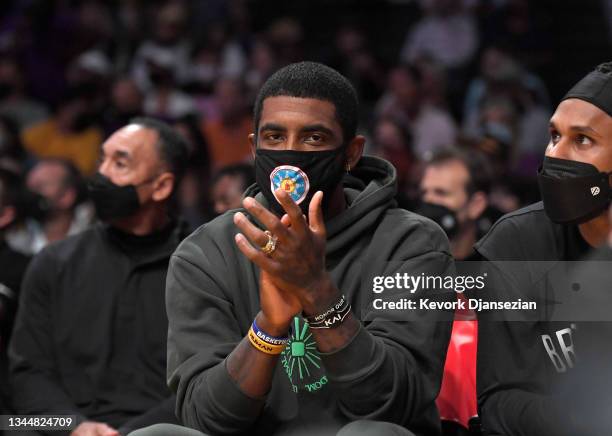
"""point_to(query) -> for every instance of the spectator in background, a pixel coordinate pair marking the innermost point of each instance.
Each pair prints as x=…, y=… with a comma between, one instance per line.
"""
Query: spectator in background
x=71, y=134
x=431, y=127
x=447, y=33
x=525, y=27
x=434, y=80
x=60, y=185
x=13, y=268
x=126, y=103
x=454, y=193
x=193, y=198
x=227, y=135
x=286, y=36
x=89, y=76
x=219, y=56
x=262, y=63
x=167, y=47
x=393, y=142
x=90, y=337
x=190, y=129
x=228, y=186
x=10, y=141
x=506, y=97
x=164, y=99
x=356, y=60
x=13, y=100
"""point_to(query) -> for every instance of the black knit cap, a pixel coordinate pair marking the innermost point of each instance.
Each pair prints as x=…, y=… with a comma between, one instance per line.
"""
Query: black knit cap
x=596, y=88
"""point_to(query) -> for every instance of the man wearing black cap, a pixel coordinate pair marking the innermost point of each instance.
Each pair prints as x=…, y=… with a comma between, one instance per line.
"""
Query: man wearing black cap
x=526, y=368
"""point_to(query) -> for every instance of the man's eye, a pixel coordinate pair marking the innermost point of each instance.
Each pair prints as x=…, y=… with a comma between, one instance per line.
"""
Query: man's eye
x=583, y=140
x=315, y=137
x=120, y=164
x=273, y=137
x=554, y=137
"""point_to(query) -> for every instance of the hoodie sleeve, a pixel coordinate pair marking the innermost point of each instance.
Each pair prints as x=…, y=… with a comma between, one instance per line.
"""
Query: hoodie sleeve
x=203, y=331
x=392, y=369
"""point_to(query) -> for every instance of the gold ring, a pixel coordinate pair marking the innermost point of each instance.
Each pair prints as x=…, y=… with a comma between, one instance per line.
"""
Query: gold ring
x=270, y=246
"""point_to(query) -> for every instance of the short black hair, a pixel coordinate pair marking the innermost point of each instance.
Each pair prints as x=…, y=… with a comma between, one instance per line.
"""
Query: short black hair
x=477, y=164
x=172, y=147
x=313, y=80
x=245, y=171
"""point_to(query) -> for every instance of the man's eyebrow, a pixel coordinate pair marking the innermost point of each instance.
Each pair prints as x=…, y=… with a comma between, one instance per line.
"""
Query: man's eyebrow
x=579, y=129
x=584, y=129
x=122, y=154
x=318, y=128
x=272, y=126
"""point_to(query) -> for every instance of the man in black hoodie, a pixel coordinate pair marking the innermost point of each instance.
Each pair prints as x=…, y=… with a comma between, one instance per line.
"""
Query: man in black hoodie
x=262, y=338
x=90, y=335
x=541, y=375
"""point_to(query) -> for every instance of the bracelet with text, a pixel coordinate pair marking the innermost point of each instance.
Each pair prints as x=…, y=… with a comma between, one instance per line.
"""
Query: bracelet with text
x=272, y=340
x=264, y=342
x=332, y=317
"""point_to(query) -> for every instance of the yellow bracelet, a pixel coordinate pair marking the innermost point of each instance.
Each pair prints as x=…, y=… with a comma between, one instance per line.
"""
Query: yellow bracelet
x=263, y=346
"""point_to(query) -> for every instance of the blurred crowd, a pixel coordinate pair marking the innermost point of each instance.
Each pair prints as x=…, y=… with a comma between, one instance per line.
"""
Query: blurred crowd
x=464, y=73
x=457, y=94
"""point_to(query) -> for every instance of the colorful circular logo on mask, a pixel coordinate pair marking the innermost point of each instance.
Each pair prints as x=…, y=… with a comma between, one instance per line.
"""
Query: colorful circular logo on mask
x=293, y=180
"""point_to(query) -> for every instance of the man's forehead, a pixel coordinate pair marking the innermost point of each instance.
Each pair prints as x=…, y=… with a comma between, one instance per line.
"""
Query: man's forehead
x=310, y=110
x=48, y=169
x=448, y=173
x=133, y=140
x=580, y=112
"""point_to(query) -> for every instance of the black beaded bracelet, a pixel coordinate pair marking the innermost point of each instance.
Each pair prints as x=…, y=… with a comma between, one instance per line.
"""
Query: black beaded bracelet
x=332, y=317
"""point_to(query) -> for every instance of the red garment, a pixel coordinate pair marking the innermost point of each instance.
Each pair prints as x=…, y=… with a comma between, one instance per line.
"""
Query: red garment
x=457, y=398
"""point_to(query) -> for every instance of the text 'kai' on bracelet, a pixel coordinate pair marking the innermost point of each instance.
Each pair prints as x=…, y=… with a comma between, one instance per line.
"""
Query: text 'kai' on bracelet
x=264, y=342
x=332, y=317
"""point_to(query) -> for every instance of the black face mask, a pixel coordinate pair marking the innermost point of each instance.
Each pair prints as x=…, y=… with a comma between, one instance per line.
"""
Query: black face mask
x=110, y=200
x=34, y=205
x=442, y=215
x=573, y=192
x=300, y=173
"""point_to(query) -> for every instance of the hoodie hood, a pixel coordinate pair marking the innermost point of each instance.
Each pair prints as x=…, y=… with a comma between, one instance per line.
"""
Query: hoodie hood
x=369, y=190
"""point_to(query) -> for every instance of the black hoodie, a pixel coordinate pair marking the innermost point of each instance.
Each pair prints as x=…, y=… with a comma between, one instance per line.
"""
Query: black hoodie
x=390, y=371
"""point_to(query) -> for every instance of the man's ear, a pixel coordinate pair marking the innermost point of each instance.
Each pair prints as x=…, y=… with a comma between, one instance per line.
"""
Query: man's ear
x=354, y=150
x=163, y=187
x=253, y=144
x=68, y=199
x=477, y=205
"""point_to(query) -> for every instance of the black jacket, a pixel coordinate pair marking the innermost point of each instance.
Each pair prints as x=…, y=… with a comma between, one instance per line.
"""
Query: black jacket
x=12, y=269
x=391, y=371
x=90, y=335
x=528, y=371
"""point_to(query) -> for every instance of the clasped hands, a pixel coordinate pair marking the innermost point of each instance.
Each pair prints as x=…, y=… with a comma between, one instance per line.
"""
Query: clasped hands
x=293, y=277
